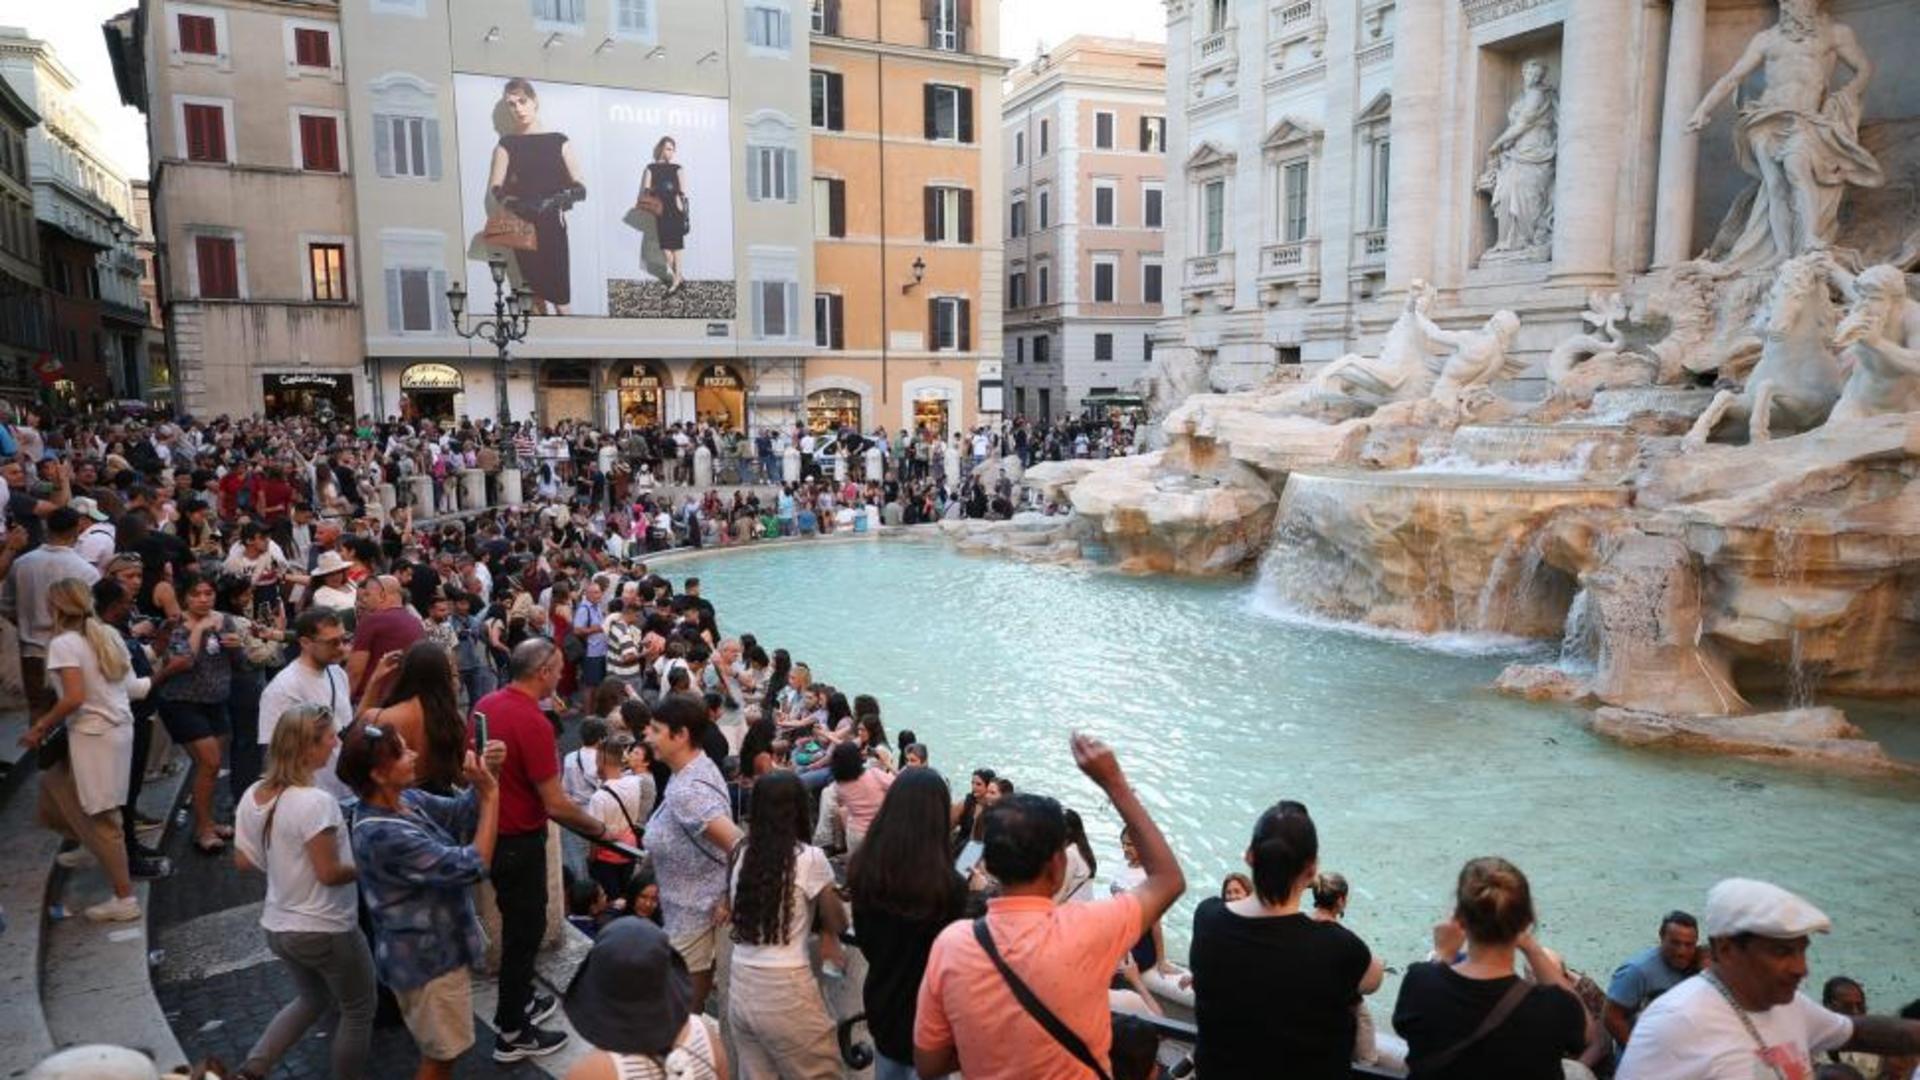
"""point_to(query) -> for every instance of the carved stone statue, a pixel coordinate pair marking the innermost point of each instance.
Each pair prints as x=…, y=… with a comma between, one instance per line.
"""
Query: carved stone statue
x=1800, y=138
x=1685, y=297
x=1881, y=335
x=1519, y=176
x=1402, y=372
x=1797, y=380
x=1479, y=358
x=1172, y=377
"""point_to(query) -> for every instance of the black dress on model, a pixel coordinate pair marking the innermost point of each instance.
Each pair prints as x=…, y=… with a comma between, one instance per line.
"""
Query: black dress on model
x=664, y=185
x=538, y=182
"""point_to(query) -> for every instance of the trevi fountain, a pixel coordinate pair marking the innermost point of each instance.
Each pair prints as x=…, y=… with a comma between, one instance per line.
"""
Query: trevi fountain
x=1704, y=507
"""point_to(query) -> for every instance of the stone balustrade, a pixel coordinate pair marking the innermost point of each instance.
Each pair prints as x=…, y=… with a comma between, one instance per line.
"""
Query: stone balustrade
x=1370, y=248
x=1210, y=272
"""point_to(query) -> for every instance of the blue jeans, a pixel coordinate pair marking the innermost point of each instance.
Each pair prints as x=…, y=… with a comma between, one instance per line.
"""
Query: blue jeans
x=816, y=779
x=593, y=671
x=479, y=682
x=885, y=1068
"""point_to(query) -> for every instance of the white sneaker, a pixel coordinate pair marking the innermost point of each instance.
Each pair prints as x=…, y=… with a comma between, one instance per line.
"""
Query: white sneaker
x=75, y=859
x=118, y=909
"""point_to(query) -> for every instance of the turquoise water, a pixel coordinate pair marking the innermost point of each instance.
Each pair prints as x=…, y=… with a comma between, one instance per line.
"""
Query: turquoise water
x=1408, y=763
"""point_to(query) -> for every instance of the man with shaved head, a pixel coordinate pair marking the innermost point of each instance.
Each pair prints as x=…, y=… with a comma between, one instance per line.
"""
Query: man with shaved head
x=385, y=625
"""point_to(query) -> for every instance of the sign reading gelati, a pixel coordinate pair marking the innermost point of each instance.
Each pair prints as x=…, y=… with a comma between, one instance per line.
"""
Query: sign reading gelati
x=719, y=377
x=639, y=378
x=432, y=377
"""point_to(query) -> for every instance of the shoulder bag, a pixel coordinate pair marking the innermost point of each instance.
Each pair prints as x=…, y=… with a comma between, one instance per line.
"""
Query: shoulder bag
x=509, y=231
x=1037, y=1009
x=1502, y=1010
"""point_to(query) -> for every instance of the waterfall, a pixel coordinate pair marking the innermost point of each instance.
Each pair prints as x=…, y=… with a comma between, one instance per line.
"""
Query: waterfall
x=1579, y=643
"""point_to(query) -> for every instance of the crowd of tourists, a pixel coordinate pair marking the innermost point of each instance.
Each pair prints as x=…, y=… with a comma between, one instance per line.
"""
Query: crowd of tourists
x=389, y=698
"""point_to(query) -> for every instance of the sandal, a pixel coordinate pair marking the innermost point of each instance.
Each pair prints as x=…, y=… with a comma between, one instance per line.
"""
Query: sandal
x=209, y=844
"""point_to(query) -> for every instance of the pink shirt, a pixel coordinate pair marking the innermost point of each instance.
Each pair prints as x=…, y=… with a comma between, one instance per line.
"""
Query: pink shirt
x=1065, y=954
x=860, y=799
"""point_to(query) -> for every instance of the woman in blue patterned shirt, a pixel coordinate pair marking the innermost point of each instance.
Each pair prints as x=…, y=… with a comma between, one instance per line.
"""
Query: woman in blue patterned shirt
x=419, y=857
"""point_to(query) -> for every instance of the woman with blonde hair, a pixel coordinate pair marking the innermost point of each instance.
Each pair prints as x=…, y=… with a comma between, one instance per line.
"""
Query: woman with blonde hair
x=85, y=742
x=295, y=832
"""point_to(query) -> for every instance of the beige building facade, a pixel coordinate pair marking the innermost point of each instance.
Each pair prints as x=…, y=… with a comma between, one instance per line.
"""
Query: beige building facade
x=252, y=201
x=1085, y=140
x=605, y=150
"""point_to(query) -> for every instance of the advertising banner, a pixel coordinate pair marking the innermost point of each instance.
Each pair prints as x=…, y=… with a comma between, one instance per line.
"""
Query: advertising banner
x=606, y=202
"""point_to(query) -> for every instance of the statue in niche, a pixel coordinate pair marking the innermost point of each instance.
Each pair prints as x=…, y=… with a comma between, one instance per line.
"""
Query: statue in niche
x=1881, y=336
x=1800, y=138
x=1519, y=176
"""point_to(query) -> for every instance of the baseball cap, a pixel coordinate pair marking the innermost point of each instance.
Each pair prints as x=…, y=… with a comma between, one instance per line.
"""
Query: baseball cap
x=1744, y=906
x=87, y=508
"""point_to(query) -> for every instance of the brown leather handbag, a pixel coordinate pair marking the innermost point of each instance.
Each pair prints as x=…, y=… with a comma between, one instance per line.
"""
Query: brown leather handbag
x=652, y=204
x=506, y=229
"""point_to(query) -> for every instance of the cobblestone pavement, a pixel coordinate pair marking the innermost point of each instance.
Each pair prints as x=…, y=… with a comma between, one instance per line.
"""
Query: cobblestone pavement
x=218, y=1009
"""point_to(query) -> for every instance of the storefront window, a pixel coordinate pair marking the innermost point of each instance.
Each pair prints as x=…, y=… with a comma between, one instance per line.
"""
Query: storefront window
x=431, y=392
x=930, y=414
x=828, y=409
x=640, y=392
x=321, y=397
x=720, y=397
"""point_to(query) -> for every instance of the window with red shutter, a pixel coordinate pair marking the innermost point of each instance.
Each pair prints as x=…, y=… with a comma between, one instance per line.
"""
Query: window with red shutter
x=197, y=35
x=312, y=48
x=319, y=144
x=219, y=268
x=206, y=132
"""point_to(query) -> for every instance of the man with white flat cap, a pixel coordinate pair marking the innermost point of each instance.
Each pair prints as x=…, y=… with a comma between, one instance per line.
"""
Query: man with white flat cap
x=1744, y=1018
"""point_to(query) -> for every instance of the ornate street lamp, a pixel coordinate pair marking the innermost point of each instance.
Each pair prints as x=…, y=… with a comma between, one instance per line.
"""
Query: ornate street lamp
x=512, y=318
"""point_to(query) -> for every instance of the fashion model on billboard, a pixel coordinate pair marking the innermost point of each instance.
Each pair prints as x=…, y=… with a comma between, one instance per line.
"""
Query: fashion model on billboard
x=664, y=198
x=533, y=181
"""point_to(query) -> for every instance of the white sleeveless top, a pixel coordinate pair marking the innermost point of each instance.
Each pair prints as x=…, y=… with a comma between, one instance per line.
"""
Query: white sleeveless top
x=691, y=1060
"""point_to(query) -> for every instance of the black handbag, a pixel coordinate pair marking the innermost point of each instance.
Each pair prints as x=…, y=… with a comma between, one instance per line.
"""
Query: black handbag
x=52, y=749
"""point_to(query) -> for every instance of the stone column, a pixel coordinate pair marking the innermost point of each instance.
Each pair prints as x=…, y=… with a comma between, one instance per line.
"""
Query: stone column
x=423, y=497
x=510, y=487
x=473, y=489
x=1593, y=134
x=1680, y=150
x=1415, y=182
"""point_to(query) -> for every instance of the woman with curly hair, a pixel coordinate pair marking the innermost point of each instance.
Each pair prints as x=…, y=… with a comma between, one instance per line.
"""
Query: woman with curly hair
x=781, y=884
x=424, y=706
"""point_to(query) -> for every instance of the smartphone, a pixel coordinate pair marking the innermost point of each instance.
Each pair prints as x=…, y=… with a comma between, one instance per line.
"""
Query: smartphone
x=480, y=734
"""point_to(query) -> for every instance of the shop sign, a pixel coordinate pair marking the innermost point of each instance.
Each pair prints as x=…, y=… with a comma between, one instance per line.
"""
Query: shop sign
x=307, y=381
x=640, y=380
x=931, y=393
x=432, y=377
x=719, y=377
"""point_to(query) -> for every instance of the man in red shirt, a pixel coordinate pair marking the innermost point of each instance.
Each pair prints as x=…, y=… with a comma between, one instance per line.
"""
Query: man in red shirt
x=238, y=479
x=384, y=626
x=968, y=1019
x=530, y=794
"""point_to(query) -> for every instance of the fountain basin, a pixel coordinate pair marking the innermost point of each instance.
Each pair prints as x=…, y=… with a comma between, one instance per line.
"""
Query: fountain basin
x=1425, y=552
x=1539, y=451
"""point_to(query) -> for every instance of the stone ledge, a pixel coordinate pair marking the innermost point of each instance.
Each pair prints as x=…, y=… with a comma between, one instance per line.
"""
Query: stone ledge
x=1815, y=738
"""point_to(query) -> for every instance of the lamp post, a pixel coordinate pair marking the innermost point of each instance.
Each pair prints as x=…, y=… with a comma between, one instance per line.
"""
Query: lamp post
x=512, y=318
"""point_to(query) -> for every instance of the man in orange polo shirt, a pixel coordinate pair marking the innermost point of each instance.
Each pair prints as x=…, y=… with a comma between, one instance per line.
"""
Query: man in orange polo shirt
x=968, y=1018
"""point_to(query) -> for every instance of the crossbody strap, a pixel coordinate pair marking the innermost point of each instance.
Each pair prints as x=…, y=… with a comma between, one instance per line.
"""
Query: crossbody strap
x=1054, y=1026
x=1502, y=1009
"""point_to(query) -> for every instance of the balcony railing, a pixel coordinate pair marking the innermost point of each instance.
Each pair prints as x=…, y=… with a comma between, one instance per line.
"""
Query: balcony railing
x=1370, y=248
x=1294, y=14
x=1294, y=260
x=1215, y=47
x=1207, y=272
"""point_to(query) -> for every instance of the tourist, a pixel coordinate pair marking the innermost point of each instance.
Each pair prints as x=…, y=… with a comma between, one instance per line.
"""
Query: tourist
x=691, y=836
x=781, y=888
x=385, y=625
x=423, y=706
x=296, y=833
x=624, y=634
x=967, y=811
x=589, y=625
x=631, y=1000
x=1744, y=1015
x=1154, y=971
x=905, y=892
x=1236, y=886
x=1848, y=998
x=113, y=602
x=253, y=663
x=419, y=856
x=580, y=769
x=315, y=677
x=969, y=1018
x=624, y=798
x=1475, y=1017
x=1081, y=863
x=193, y=704
x=1271, y=980
x=530, y=795
x=1330, y=893
x=83, y=742
x=857, y=790
x=1651, y=972
x=25, y=587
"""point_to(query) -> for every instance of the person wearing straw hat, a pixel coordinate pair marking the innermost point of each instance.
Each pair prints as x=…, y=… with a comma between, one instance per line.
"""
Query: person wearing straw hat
x=632, y=1000
x=1745, y=1018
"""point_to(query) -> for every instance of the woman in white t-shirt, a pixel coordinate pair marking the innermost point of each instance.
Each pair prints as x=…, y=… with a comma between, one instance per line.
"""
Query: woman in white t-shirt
x=622, y=801
x=81, y=793
x=295, y=831
x=781, y=884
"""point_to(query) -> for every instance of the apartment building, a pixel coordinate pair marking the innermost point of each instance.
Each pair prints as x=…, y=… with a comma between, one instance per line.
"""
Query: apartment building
x=1084, y=132
x=82, y=206
x=636, y=166
x=252, y=200
x=25, y=334
x=907, y=191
